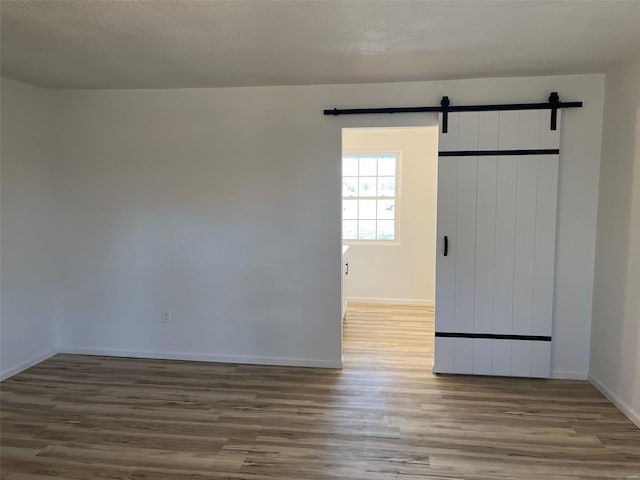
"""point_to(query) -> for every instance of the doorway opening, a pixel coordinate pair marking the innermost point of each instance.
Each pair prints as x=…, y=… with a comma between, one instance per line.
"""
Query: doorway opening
x=389, y=190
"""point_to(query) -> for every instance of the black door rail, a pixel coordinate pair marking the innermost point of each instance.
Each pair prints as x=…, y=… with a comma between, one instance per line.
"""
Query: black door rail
x=554, y=104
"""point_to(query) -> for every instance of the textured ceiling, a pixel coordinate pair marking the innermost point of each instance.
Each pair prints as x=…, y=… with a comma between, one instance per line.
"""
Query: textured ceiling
x=162, y=44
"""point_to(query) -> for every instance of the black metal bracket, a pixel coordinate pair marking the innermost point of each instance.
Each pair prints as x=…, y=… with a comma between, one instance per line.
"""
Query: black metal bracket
x=554, y=104
x=554, y=100
x=444, y=103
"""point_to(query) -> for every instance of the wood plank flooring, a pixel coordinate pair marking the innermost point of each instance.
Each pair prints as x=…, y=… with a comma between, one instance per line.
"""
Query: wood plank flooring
x=384, y=416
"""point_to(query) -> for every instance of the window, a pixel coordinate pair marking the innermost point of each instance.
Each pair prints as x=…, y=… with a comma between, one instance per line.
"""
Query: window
x=369, y=197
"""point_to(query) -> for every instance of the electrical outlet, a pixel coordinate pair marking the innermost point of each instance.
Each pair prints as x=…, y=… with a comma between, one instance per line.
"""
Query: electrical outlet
x=166, y=316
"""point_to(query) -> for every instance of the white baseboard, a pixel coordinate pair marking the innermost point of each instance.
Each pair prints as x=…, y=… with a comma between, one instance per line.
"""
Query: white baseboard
x=10, y=372
x=616, y=400
x=559, y=375
x=418, y=302
x=206, y=357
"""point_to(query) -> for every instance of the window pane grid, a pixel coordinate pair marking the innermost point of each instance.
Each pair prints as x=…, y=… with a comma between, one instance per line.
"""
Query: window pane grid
x=369, y=197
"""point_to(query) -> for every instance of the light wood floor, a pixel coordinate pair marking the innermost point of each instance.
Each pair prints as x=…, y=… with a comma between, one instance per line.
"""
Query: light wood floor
x=384, y=416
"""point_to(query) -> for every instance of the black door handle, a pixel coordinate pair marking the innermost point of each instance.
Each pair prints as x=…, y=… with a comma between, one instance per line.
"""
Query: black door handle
x=446, y=245
x=347, y=271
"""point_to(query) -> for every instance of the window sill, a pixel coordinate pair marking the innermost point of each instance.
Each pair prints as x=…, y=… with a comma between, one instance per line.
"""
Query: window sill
x=377, y=243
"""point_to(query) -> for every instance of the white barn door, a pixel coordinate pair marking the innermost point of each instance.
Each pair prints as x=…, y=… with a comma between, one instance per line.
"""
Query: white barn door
x=497, y=198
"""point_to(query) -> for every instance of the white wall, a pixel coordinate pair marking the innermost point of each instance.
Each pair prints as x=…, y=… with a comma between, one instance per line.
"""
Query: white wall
x=402, y=271
x=615, y=341
x=27, y=330
x=223, y=206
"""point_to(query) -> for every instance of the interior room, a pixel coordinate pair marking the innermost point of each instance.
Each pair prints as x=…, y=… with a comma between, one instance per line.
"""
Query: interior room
x=320, y=239
x=398, y=265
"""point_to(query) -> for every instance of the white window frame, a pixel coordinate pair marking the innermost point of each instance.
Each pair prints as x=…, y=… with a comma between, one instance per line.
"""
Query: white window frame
x=396, y=227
